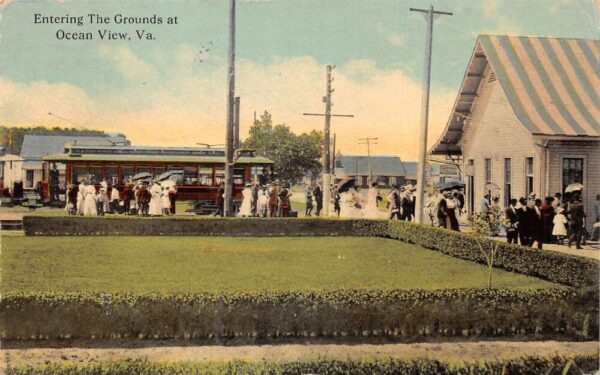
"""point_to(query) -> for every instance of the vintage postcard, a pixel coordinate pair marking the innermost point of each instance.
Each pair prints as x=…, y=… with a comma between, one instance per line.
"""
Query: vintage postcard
x=299, y=186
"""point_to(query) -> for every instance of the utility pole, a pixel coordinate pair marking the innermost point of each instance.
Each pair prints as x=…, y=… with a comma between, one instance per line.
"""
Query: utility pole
x=333, y=156
x=228, y=200
x=369, y=141
x=430, y=15
x=327, y=147
x=236, y=124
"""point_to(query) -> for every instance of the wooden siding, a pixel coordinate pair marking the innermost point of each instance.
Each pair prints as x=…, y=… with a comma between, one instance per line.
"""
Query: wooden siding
x=493, y=131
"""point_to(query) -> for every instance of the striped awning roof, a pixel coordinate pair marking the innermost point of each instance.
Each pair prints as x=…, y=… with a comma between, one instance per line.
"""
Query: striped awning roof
x=552, y=84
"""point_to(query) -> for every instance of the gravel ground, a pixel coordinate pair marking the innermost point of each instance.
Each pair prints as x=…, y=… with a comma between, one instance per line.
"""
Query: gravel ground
x=155, y=351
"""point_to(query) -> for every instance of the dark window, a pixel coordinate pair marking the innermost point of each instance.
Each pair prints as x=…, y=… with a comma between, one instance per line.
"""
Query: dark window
x=29, y=178
x=142, y=168
x=471, y=185
x=96, y=173
x=112, y=174
x=572, y=171
x=126, y=173
x=488, y=170
x=79, y=173
x=238, y=176
x=528, y=176
x=205, y=175
x=507, y=181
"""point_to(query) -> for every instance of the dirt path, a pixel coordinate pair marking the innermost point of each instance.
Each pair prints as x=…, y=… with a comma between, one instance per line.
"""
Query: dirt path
x=468, y=351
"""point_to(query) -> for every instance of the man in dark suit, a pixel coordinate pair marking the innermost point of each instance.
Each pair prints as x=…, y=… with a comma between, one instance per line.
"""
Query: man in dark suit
x=512, y=227
x=536, y=224
x=576, y=222
x=318, y=194
x=523, y=218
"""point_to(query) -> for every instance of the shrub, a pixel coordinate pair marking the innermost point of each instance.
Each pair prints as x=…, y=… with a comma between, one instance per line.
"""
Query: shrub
x=557, y=267
x=556, y=365
x=397, y=314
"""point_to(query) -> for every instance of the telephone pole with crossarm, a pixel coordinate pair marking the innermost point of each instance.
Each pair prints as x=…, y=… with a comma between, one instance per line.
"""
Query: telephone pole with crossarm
x=327, y=148
x=430, y=15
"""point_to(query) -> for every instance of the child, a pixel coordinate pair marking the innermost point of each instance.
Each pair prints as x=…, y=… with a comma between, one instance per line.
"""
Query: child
x=559, y=230
x=309, y=202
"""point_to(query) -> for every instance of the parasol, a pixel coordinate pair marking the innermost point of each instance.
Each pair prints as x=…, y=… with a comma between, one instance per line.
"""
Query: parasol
x=345, y=184
x=450, y=185
x=170, y=175
x=573, y=187
x=141, y=176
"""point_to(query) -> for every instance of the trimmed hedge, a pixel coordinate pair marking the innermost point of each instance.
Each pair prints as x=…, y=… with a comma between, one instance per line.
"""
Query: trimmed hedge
x=570, y=270
x=525, y=365
x=182, y=226
x=247, y=317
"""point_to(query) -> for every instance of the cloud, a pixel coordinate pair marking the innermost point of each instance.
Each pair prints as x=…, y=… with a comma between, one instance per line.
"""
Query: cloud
x=494, y=11
x=392, y=37
x=188, y=106
x=127, y=63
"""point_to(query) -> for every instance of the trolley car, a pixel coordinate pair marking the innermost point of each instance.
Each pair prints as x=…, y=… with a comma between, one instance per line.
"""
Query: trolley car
x=203, y=169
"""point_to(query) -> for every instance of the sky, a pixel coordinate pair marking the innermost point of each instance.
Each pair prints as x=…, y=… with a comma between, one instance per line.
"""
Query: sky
x=172, y=90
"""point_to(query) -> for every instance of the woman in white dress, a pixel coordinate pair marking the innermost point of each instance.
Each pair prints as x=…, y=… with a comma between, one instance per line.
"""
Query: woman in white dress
x=246, y=207
x=80, y=195
x=164, y=198
x=89, y=200
x=155, y=200
x=371, y=211
x=261, y=205
x=104, y=195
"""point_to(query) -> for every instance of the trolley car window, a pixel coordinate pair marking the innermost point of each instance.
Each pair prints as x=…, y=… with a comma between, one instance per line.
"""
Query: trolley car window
x=190, y=176
x=126, y=173
x=158, y=171
x=96, y=173
x=112, y=174
x=205, y=175
x=219, y=174
x=142, y=168
x=79, y=173
x=238, y=176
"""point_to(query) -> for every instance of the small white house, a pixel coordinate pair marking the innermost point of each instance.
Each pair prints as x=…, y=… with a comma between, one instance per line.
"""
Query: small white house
x=11, y=170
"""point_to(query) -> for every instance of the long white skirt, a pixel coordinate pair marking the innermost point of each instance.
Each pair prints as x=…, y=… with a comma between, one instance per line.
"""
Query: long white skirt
x=246, y=207
x=89, y=205
x=155, y=207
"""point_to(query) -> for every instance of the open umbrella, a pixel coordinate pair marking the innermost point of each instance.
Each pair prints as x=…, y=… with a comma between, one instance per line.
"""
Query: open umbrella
x=345, y=184
x=170, y=175
x=573, y=187
x=450, y=185
x=141, y=176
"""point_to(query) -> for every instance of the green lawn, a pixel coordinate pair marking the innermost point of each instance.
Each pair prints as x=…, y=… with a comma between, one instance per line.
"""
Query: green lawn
x=188, y=264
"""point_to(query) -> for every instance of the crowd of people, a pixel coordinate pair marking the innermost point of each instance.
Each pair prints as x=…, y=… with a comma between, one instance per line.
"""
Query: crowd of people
x=527, y=221
x=272, y=200
x=555, y=219
x=146, y=198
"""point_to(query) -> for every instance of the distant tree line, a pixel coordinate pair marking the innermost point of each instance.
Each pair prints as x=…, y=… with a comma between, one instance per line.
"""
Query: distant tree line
x=295, y=156
x=12, y=137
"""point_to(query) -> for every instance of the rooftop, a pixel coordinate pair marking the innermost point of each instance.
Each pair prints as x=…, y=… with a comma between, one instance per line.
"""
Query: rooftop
x=552, y=85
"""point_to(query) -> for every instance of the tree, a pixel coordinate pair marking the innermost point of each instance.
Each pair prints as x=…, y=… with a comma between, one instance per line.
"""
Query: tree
x=295, y=156
x=483, y=228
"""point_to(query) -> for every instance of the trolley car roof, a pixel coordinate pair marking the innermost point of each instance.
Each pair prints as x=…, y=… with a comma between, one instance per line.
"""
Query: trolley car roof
x=151, y=154
x=154, y=159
